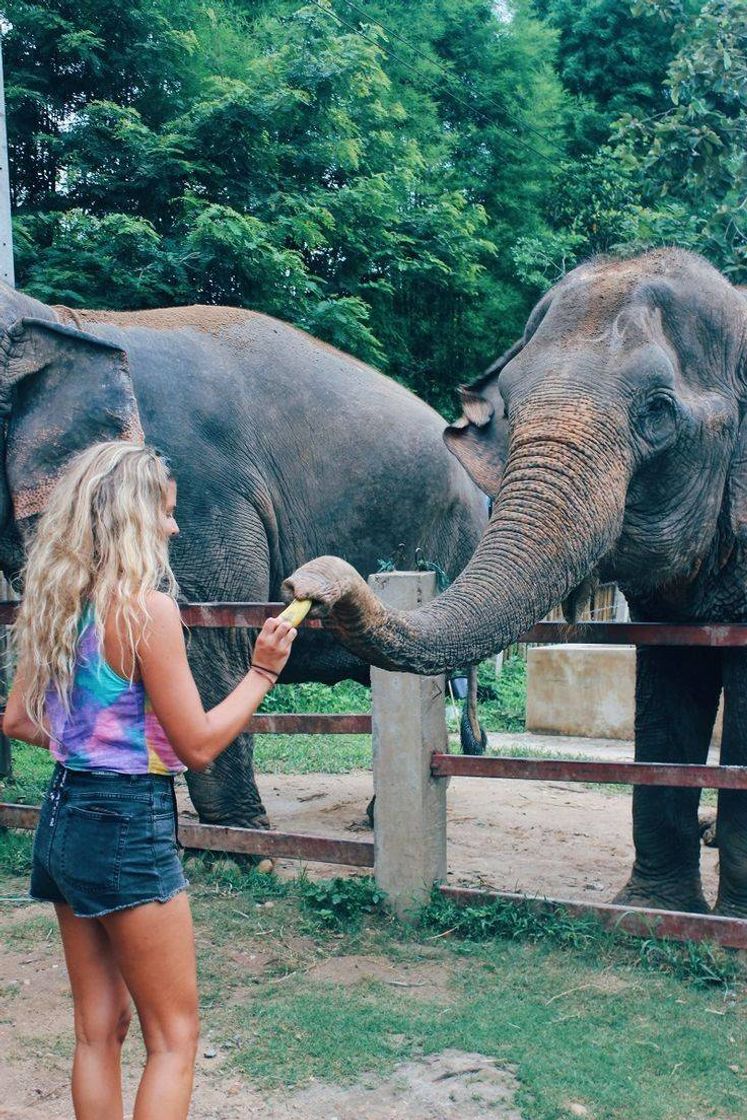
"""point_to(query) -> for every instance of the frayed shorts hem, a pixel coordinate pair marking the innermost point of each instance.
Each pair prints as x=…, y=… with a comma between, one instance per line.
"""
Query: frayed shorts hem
x=115, y=909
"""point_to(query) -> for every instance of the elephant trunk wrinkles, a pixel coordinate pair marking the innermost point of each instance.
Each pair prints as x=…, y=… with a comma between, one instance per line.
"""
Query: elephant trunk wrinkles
x=559, y=510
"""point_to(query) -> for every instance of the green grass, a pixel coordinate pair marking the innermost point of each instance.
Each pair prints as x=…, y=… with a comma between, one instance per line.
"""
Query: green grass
x=630, y=1029
x=347, y=696
x=577, y=1012
x=311, y=754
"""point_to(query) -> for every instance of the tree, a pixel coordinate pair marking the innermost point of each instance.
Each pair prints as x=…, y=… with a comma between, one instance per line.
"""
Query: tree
x=691, y=160
x=359, y=168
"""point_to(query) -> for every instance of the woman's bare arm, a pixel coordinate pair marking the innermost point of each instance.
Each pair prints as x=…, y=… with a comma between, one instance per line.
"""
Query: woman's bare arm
x=198, y=736
x=17, y=724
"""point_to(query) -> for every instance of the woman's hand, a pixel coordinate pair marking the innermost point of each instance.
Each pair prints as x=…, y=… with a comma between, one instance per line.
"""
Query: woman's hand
x=273, y=645
x=198, y=736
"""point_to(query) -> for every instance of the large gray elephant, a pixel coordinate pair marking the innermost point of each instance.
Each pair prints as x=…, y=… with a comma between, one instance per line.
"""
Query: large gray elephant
x=282, y=446
x=613, y=436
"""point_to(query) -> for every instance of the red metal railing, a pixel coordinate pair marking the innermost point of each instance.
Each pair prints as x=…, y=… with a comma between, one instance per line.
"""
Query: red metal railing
x=727, y=931
x=730, y=932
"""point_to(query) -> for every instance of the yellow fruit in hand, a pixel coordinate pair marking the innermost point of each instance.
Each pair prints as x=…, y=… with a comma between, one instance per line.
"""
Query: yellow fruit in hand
x=296, y=611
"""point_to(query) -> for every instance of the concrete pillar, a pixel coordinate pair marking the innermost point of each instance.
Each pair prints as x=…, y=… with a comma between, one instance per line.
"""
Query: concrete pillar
x=409, y=723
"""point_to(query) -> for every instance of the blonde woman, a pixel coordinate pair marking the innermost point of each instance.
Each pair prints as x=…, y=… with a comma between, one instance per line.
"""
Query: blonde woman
x=103, y=682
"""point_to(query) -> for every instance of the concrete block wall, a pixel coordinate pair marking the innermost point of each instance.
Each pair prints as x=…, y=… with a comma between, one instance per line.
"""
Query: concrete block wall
x=584, y=690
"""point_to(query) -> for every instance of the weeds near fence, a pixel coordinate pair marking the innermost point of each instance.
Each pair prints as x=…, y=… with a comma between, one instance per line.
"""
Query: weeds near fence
x=340, y=903
x=502, y=700
x=699, y=963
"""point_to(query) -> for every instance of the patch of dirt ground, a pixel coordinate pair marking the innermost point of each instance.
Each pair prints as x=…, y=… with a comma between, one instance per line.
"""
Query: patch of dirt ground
x=555, y=839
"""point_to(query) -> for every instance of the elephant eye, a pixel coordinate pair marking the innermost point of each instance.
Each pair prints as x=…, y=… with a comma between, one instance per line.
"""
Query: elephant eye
x=658, y=420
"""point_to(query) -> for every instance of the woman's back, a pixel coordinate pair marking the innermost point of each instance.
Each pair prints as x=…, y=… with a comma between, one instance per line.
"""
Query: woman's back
x=110, y=724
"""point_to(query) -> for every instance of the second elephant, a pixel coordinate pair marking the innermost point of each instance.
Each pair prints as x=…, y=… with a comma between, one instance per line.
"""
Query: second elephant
x=282, y=447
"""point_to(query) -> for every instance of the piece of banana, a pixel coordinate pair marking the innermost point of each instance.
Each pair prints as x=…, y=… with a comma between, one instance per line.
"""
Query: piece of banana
x=296, y=611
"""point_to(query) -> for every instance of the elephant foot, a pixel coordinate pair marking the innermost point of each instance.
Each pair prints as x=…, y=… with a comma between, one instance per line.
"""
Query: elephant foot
x=729, y=907
x=645, y=896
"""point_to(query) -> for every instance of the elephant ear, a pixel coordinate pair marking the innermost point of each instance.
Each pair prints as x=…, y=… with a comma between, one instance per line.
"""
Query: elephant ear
x=62, y=390
x=479, y=438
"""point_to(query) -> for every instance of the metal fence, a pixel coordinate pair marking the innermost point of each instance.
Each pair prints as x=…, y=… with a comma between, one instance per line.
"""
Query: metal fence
x=425, y=820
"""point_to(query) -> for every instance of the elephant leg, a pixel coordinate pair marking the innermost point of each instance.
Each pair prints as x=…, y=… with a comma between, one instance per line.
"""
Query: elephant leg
x=226, y=792
x=731, y=819
x=677, y=693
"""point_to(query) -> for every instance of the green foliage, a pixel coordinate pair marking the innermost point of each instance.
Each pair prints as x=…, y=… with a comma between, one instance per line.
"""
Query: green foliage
x=226, y=877
x=502, y=700
x=347, y=696
x=15, y=852
x=361, y=172
x=656, y=131
x=694, y=154
x=612, y=60
x=700, y=963
x=400, y=179
x=341, y=903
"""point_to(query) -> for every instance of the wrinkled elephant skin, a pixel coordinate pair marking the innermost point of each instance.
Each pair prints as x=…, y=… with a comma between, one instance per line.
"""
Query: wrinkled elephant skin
x=282, y=448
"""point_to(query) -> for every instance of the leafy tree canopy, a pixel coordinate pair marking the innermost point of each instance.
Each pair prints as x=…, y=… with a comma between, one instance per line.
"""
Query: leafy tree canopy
x=360, y=169
x=399, y=177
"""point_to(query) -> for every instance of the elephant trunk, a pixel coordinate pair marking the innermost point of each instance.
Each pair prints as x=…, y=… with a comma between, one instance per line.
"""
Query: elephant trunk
x=559, y=510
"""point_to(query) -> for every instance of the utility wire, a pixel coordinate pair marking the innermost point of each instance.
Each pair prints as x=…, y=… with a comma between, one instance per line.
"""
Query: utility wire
x=392, y=54
x=451, y=76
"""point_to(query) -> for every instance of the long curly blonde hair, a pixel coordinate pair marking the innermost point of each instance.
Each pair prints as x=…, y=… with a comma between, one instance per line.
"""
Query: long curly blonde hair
x=101, y=542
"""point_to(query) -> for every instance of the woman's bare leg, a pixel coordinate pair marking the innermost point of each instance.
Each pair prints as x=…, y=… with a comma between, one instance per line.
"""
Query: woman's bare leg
x=153, y=945
x=102, y=1016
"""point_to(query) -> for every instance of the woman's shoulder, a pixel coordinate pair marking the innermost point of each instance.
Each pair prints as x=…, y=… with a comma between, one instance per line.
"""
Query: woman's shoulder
x=161, y=613
x=158, y=603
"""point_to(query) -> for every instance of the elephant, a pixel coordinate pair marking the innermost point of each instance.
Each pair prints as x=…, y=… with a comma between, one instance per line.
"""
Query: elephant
x=282, y=447
x=613, y=439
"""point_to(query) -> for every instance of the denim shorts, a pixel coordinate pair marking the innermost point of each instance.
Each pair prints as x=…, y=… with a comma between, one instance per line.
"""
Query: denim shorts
x=106, y=842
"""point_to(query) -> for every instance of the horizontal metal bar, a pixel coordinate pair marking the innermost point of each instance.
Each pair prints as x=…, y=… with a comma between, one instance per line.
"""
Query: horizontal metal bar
x=614, y=773
x=198, y=615
x=340, y=723
x=253, y=615
x=265, y=842
x=674, y=924
x=250, y=841
x=18, y=816
x=638, y=634
x=304, y=723
x=236, y=614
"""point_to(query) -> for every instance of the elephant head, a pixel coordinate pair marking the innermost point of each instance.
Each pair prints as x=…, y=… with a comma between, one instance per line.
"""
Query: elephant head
x=60, y=391
x=611, y=437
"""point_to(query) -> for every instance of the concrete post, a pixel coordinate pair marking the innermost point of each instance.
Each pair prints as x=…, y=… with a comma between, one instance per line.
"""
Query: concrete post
x=409, y=723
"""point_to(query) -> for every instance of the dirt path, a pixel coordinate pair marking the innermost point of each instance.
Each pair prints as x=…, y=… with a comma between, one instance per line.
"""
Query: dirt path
x=562, y=840
x=557, y=839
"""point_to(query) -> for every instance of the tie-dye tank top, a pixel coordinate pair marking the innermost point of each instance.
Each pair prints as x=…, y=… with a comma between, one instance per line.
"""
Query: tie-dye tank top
x=111, y=725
